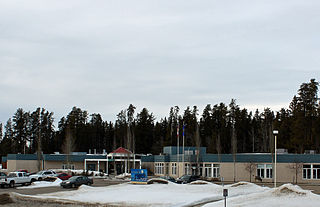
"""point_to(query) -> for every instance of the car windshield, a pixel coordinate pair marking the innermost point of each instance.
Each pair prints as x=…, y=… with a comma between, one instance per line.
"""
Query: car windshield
x=39, y=173
x=185, y=177
x=73, y=178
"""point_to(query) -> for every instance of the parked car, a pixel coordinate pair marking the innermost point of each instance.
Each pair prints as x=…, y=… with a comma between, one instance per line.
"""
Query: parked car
x=41, y=175
x=187, y=179
x=15, y=178
x=171, y=179
x=64, y=176
x=76, y=181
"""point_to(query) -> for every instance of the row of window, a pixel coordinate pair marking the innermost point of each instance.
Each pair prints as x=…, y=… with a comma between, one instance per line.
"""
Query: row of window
x=310, y=171
x=210, y=170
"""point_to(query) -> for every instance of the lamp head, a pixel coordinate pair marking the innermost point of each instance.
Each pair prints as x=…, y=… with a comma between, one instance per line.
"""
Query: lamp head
x=275, y=132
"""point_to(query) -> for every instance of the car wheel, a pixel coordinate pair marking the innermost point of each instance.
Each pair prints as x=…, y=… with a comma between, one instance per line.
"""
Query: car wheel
x=40, y=179
x=12, y=184
x=73, y=185
x=33, y=180
x=88, y=183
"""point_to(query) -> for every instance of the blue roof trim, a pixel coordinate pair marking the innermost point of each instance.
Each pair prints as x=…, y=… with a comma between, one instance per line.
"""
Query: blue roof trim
x=149, y=158
x=53, y=157
x=73, y=158
x=242, y=158
x=22, y=157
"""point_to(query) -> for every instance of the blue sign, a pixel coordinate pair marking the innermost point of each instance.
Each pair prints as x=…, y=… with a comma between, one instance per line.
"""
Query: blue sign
x=139, y=175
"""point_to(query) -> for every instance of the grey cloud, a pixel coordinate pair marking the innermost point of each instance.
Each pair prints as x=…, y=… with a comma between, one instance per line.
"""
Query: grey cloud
x=104, y=55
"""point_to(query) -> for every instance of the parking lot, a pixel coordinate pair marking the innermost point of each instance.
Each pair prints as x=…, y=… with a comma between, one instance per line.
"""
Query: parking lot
x=9, y=200
x=97, y=182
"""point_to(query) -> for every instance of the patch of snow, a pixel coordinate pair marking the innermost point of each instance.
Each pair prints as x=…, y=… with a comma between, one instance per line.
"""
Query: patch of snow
x=42, y=184
x=157, y=180
x=200, y=182
x=123, y=176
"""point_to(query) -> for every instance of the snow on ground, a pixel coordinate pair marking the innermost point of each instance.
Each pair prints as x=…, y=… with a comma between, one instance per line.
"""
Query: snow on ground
x=129, y=194
x=287, y=195
x=80, y=172
x=171, y=194
x=42, y=184
x=123, y=176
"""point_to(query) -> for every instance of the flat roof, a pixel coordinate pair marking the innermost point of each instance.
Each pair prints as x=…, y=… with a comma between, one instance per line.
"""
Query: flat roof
x=241, y=158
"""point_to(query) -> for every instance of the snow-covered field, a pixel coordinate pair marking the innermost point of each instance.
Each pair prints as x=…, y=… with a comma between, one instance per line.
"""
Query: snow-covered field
x=171, y=194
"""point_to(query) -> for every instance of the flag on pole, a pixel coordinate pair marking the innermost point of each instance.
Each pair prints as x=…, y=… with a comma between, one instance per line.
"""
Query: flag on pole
x=183, y=130
x=178, y=131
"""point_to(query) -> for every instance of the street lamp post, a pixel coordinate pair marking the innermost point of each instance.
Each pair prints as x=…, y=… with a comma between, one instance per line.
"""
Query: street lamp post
x=275, y=132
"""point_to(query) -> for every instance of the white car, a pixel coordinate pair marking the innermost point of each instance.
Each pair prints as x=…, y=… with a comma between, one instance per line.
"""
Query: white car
x=41, y=175
x=15, y=178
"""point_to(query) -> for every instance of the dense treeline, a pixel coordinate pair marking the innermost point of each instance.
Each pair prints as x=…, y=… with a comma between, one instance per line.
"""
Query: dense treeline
x=221, y=128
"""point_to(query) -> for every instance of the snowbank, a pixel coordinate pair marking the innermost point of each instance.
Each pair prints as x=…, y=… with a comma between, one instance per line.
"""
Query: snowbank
x=42, y=184
x=172, y=194
x=286, y=195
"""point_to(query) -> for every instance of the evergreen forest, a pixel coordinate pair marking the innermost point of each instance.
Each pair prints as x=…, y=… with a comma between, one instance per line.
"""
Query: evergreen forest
x=222, y=128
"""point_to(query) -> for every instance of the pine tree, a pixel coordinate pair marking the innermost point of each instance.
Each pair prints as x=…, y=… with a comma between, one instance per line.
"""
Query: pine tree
x=144, y=131
x=20, y=120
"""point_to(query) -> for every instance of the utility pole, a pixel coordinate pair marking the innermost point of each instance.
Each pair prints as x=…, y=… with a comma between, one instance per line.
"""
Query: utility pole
x=275, y=132
x=183, y=145
x=178, y=148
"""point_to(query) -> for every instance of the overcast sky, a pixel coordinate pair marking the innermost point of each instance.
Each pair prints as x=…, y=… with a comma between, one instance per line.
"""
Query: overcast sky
x=103, y=55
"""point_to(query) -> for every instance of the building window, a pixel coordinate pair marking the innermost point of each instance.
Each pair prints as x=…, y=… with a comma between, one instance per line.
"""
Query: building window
x=316, y=171
x=68, y=166
x=159, y=168
x=216, y=170
x=187, y=169
x=268, y=170
x=264, y=170
x=311, y=171
x=207, y=170
x=174, y=168
x=212, y=170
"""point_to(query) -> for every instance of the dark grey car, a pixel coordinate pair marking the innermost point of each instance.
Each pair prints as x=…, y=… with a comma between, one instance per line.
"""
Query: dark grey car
x=187, y=179
x=76, y=181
